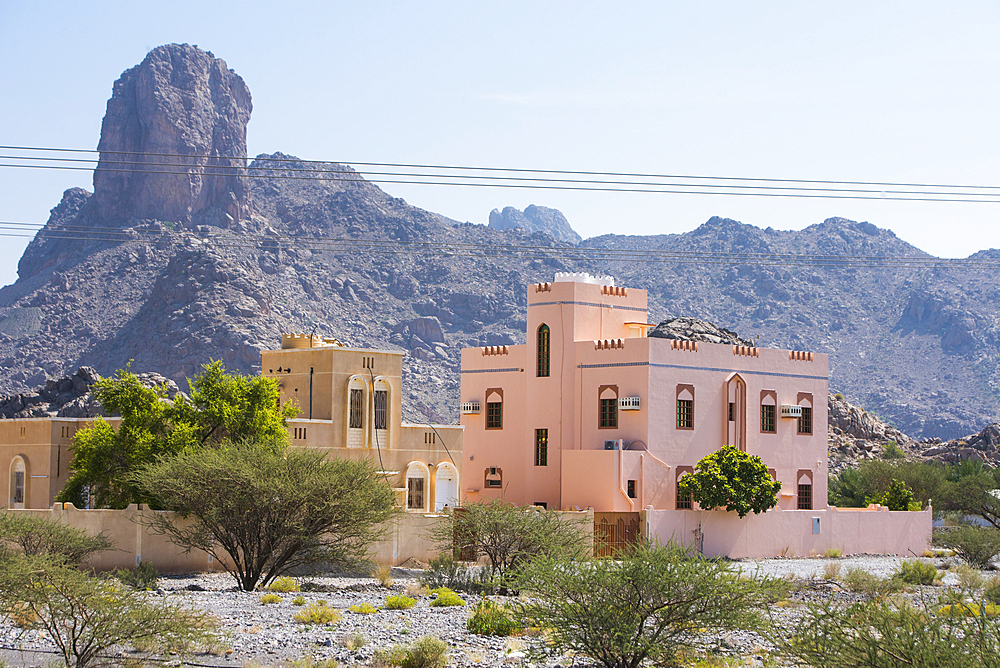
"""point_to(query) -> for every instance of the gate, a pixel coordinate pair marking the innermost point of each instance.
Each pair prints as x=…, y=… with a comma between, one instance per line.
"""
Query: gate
x=613, y=532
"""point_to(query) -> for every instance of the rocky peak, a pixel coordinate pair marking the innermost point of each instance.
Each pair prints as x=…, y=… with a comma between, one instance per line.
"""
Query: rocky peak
x=535, y=219
x=182, y=108
x=695, y=329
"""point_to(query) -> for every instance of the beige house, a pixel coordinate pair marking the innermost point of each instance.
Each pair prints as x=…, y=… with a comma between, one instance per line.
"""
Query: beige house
x=350, y=402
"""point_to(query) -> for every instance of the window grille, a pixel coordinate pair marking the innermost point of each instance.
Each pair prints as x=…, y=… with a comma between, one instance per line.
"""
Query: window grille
x=18, y=486
x=544, y=352
x=685, y=414
x=609, y=413
x=381, y=409
x=541, y=447
x=767, y=424
x=494, y=415
x=806, y=420
x=805, y=497
x=357, y=410
x=415, y=493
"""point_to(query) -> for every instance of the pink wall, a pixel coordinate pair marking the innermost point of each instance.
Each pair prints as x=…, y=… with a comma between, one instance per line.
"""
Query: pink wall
x=790, y=532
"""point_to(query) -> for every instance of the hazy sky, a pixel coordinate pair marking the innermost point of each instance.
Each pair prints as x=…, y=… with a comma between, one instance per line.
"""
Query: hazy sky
x=904, y=91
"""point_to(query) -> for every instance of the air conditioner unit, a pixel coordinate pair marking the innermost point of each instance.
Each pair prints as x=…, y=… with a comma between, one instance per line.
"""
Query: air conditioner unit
x=788, y=411
x=614, y=445
x=470, y=408
x=628, y=404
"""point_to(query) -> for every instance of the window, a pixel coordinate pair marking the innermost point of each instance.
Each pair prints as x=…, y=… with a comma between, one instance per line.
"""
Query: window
x=18, y=486
x=685, y=406
x=381, y=409
x=805, y=500
x=767, y=424
x=299, y=433
x=805, y=497
x=415, y=493
x=494, y=477
x=544, y=352
x=732, y=411
x=607, y=407
x=806, y=420
x=631, y=489
x=541, y=447
x=684, y=502
x=494, y=408
x=357, y=409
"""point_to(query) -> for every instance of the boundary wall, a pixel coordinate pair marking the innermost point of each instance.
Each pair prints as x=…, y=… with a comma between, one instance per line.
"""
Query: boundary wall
x=405, y=538
x=793, y=533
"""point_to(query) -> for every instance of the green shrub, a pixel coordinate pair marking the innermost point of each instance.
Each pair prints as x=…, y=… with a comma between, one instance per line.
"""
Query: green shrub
x=863, y=582
x=892, y=451
x=298, y=600
x=891, y=635
x=363, y=609
x=428, y=652
x=444, y=571
x=268, y=599
x=445, y=597
x=489, y=618
x=35, y=537
x=317, y=613
x=977, y=546
x=992, y=591
x=86, y=618
x=833, y=553
x=917, y=572
x=144, y=576
x=284, y=584
x=399, y=602
x=897, y=498
x=969, y=579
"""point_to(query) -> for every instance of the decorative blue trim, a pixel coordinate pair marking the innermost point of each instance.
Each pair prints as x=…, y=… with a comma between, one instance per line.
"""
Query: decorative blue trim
x=491, y=370
x=609, y=306
x=704, y=368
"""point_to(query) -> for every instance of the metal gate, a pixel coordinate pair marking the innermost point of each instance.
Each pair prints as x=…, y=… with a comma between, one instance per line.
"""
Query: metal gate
x=613, y=532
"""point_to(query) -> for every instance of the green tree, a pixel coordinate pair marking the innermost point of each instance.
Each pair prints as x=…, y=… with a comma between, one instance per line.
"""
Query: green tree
x=510, y=536
x=871, y=480
x=86, y=617
x=732, y=478
x=897, y=497
x=35, y=537
x=643, y=605
x=266, y=508
x=221, y=406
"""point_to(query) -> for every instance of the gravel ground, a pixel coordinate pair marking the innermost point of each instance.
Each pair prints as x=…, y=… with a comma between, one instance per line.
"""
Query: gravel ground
x=266, y=635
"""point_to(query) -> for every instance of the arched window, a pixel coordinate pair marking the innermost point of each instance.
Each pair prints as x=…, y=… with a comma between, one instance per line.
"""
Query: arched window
x=18, y=483
x=768, y=403
x=805, y=487
x=805, y=421
x=417, y=486
x=356, y=407
x=445, y=487
x=683, y=501
x=494, y=408
x=380, y=418
x=607, y=396
x=544, y=352
x=685, y=406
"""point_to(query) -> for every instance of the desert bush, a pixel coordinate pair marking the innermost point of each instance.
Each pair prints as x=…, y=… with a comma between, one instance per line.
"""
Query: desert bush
x=833, y=553
x=445, y=571
x=445, y=597
x=269, y=599
x=34, y=537
x=143, y=576
x=831, y=571
x=317, y=613
x=399, y=602
x=299, y=600
x=969, y=579
x=640, y=606
x=428, y=652
x=489, y=618
x=86, y=617
x=969, y=610
x=977, y=546
x=510, y=536
x=383, y=573
x=354, y=641
x=991, y=592
x=892, y=451
x=363, y=608
x=863, y=582
x=878, y=634
x=917, y=572
x=284, y=585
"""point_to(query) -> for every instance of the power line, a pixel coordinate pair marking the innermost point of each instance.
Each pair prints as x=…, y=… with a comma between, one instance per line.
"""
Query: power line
x=503, y=169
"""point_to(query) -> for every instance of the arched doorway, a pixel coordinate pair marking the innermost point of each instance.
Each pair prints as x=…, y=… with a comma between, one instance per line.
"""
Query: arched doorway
x=445, y=487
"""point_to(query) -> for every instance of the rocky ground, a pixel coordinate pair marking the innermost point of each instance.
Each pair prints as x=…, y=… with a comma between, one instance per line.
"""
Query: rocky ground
x=266, y=635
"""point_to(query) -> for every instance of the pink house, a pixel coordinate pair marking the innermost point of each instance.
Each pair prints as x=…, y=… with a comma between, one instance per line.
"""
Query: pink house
x=593, y=413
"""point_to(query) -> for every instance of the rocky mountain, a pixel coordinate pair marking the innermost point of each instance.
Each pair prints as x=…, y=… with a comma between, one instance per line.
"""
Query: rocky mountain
x=694, y=329
x=535, y=219
x=171, y=276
